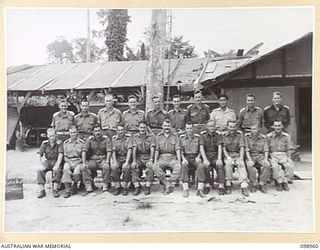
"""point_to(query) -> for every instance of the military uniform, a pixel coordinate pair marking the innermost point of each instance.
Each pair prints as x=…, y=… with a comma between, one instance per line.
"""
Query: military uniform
x=279, y=145
x=256, y=147
x=210, y=143
x=178, y=119
x=190, y=150
x=198, y=116
x=249, y=117
x=155, y=118
x=72, y=160
x=85, y=123
x=121, y=146
x=51, y=154
x=221, y=118
x=271, y=114
x=143, y=144
x=109, y=120
x=97, y=149
x=61, y=124
x=132, y=119
x=167, y=147
x=233, y=143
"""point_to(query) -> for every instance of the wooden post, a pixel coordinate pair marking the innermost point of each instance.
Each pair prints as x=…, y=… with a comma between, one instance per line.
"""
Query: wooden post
x=88, y=48
x=157, y=48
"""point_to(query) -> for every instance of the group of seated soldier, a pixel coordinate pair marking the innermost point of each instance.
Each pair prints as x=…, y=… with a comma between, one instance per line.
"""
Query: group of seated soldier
x=130, y=145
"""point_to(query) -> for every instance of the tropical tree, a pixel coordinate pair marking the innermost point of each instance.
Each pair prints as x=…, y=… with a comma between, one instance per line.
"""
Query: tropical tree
x=60, y=51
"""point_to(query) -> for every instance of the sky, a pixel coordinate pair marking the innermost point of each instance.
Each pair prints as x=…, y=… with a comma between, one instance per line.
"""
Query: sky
x=30, y=30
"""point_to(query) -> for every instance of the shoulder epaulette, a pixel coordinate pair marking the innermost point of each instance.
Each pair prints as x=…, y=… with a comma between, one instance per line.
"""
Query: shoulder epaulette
x=189, y=106
x=77, y=115
x=126, y=111
x=239, y=132
x=160, y=133
x=91, y=137
x=263, y=136
x=206, y=105
x=105, y=136
x=141, y=111
x=101, y=110
x=70, y=112
x=196, y=135
x=115, y=137
x=59, y=142
x=247, y=134
x=284, y=133
x=243, y=109
x=184, y=110
x=128, y=135
x=136, y=135
x=150, y=110
x=67, y=141
x=46, y=141
x=267, y=107
x=170, y=111
x=182, y=136
x=270, y=134
x=285, y=106
x=203, y=132
x=55, y=114
x=81, y=140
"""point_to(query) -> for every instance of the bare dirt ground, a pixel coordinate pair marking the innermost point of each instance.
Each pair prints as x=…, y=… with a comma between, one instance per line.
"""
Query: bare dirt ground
x=102, y=212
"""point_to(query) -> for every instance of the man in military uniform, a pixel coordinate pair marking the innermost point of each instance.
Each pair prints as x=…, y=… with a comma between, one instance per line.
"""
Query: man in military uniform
x=71, y=173
x=85, y=120
x=177, y=115
x=280, y=148
x=222, y=115
x=250, y=115
x=109, y=117
x=257, y=152
x=211, y=153
x=121, y=156
x=276, y=112
x=98, y=148
x=191, y=161
x=52, y=150
x=144, y=144
x=167, y=155
x=198, y=113
x=156, y=116
x=133, y=116
x=62, y=121
x=233, y=149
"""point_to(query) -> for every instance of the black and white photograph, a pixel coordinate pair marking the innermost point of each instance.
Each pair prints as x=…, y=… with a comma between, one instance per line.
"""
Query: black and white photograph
x=159, y=120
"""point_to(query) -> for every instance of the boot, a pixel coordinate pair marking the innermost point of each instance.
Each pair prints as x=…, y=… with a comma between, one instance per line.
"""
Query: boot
x=245, y=192
x=55, y=193
x=116, y=191
x=263, y=189
x=74, y=189
x=221, y=191
x=279, y=186
x=206, y=190
x=147, y=191
x=41, y=194
x=200, y=193
x=185, y=194
x=136, y=191
x=67, y=193
x=228, y=190
x=285, y=186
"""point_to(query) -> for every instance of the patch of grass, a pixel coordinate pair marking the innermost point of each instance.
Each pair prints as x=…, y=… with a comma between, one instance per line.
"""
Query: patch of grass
x=144, y=205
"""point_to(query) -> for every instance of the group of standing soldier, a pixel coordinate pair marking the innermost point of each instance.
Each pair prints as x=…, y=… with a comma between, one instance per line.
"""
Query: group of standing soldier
x=132, y=144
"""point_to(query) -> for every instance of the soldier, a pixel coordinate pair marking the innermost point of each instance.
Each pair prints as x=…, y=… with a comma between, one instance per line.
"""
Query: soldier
x=198, y=113
x=85, y=120
x=250, y=115
x=167, y=155
x=257, y=152
x=280, y=148
x=72, y=162
x=121, y=156
x=133, y=116
x=276, y=112
x=177, y=115
x=52, y=150
x=156, y=116
x=62, y=121
x=109, y=117
x=233, y=149
x=191, y=161
x=98, y=148
x=222, y=115
x=144, y=145
x=211, y=153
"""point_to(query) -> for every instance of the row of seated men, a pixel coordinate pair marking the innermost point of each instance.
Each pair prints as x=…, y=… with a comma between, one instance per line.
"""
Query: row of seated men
x=123, y=157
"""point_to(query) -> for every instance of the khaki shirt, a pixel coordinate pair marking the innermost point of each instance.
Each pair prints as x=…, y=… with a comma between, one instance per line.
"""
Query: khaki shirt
x=132, y=119
x=210, y=143
x=233, y=143
x=62, y=122
x=121, y=145
x=256, y=145
x=155, y=118
x=248, y=117
x=271, y=114
x=221, y=117
x=109, y=119
x=168, y=144
x=97, y=147
x=279, y=143
x=190, y=145
x=198, y=115
x=178, y=118
x=73, y=149
x=85, y=122
x=51, y=152
x=144, y=144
